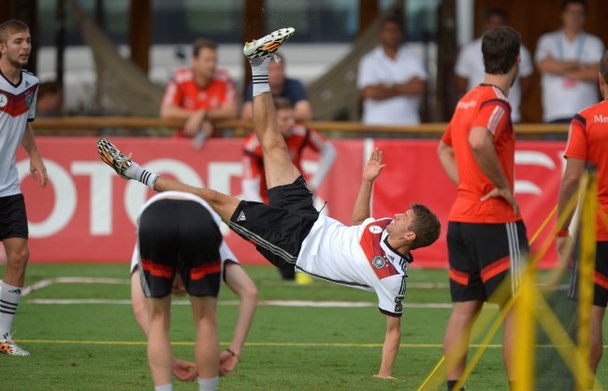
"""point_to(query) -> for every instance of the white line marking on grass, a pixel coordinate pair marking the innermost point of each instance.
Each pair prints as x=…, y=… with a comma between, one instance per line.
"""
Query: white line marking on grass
x=77, y=301
x=71, y=280
x=117, y=281
x=276, y=303
x=269, y=303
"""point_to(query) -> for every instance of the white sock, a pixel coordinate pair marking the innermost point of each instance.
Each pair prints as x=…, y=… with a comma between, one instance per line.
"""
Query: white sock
x=164, y=387
x=259, y=75
x=135, y=171
x=9, y=299
x=208, y=384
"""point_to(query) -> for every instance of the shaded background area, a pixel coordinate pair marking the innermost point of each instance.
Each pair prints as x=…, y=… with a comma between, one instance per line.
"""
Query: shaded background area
x=138, y=26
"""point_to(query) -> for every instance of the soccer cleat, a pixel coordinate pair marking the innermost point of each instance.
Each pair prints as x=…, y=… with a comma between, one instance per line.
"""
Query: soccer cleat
x=10, y=348
x=268, y=44
x=113, y=157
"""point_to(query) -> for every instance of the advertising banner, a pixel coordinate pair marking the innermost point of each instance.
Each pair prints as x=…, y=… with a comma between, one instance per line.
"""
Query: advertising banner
x=88, y=214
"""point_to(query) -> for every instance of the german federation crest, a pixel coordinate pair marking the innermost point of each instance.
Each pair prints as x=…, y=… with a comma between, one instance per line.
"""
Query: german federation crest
x=378, y=262
x=29, y=99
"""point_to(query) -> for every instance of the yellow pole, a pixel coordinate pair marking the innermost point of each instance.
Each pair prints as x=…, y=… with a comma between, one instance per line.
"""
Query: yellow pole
x=525, y=337
x=586, y=268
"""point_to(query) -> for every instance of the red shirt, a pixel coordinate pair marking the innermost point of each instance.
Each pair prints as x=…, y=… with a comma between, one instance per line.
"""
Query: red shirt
x=484, y=106
x=299, y=138
x=588, y=141
x=183, y=91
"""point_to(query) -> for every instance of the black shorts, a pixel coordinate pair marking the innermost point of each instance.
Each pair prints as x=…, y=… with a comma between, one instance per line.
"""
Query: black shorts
x=600, y=278
x=482, y=257
x=178, y=236
x=13, y=219
x=279, y=228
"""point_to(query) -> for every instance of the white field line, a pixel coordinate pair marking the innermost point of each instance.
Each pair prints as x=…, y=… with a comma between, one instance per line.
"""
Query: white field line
x=26, y=290
x=118, y=281
x=278, y=303
x=271, y=303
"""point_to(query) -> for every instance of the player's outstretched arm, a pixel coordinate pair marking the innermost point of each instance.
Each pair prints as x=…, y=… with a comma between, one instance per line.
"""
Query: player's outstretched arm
x=361, y=210
x=390, y=348
x=242, y=285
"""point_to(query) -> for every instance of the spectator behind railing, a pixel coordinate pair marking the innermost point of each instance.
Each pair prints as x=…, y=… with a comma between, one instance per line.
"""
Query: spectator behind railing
x=568, y=61
x=391, y=79
x=200, y=95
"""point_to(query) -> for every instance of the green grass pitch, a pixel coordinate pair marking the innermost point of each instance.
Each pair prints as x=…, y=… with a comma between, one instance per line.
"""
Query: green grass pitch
x=96, y=344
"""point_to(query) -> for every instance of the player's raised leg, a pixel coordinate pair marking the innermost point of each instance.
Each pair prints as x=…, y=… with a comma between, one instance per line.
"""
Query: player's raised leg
x=223, y=204
x=277, y=163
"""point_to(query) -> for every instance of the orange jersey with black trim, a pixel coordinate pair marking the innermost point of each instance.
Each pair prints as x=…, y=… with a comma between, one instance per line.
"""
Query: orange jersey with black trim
x=300, y=137
x=588, y=141
x=183, y=91
x=488, y=107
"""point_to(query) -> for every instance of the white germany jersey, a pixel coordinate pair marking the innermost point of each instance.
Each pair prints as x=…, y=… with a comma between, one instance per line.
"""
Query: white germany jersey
x=356, y=256
x=17, y=107
x=225, y=253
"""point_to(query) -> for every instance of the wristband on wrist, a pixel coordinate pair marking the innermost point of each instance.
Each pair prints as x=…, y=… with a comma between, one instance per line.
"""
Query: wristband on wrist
x=562, y=233
x=232, y=353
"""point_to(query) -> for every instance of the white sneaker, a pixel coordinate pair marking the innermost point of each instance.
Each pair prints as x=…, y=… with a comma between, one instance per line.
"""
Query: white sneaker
x=268, y=44
x=113, y=157
x=9, y=347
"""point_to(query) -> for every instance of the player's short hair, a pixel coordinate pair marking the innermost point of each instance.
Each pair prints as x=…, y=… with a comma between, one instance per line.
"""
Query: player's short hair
x=426, y=226
x=281, y=103
x=203, y=43
x=11, y=26
x=566, y=3
x=604, y=66
x=500, y=47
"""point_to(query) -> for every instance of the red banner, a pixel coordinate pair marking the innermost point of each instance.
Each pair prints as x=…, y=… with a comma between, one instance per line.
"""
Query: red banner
x=87, y=213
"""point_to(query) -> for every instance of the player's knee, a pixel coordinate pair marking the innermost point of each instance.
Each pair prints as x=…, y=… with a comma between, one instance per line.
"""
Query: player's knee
x=250, y=291
x=139, y=311
x=271, y=142
x=18, y=258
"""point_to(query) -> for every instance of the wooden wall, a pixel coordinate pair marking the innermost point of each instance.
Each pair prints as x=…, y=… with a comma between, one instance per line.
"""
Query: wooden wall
x=532, y=19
